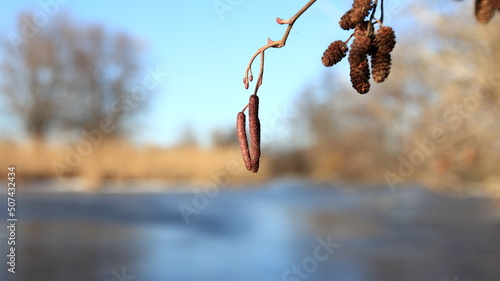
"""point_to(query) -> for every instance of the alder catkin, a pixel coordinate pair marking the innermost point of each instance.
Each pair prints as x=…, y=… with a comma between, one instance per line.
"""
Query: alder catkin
x=484, y=10
x=334, y=53
x=254, y=124
x=242, y=138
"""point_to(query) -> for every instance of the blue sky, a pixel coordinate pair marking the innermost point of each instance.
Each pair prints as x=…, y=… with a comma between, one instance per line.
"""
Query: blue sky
x=205, y=51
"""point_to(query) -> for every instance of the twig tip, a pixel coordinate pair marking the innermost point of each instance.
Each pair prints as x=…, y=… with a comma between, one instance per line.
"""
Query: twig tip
x=282, y=21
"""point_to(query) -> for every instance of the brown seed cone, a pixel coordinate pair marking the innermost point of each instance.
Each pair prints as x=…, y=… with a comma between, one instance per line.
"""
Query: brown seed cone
x=360, y=76
x=359, y=11
x=360, y=71
x=361, y=28
x=242, y=138
x=358, y=61
x=385, y=40
x=253, y=115
x=484, y=10
x=345, y=21
x=381, y=66
x=334, y=53
x=362, y=40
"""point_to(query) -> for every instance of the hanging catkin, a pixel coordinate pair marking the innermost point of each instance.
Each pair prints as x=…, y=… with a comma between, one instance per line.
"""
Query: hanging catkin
x=254, y=124
x=242, y=137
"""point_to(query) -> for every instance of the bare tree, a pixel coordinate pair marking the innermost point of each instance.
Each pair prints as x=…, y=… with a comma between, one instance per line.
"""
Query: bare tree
x=104, y=70
x=72, y=77
x=460, y=102
x=32, y=85
x=224, y=138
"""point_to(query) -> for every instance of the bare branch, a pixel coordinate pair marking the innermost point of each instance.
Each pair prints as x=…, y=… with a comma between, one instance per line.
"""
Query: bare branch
x=273, y=44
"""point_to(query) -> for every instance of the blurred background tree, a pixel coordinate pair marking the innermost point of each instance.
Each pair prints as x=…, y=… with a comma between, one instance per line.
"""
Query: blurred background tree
x=70, y=77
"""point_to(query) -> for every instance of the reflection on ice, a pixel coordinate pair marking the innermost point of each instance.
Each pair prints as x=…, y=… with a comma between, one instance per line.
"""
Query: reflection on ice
x=271, y=233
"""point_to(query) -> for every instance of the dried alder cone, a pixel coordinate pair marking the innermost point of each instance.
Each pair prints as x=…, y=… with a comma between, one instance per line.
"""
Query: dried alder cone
x=358, y=60
x=385, y=40
x=381, y=67
x=366, y=43
x=485, y=9
x=383, y=44
x=334, y=53
x=359, y=11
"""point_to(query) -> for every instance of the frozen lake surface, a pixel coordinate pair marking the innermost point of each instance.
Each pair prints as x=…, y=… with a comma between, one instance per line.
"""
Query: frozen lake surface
x=268, y=233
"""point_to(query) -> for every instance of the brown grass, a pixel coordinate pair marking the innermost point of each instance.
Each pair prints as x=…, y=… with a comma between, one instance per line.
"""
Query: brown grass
x=119, y=160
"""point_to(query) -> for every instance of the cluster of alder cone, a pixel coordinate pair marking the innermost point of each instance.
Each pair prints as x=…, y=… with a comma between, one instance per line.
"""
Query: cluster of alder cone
x=378, y=45
x=485, y=9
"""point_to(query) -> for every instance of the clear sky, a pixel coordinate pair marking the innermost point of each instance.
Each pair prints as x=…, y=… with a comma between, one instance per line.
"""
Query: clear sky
x=205, y=51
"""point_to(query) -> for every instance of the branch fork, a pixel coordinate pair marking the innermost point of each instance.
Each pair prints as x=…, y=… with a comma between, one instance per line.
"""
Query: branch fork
x=272, y=44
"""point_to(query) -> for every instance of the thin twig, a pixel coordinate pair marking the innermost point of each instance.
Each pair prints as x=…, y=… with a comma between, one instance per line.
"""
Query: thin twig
x=372, y=16
x=274, y=44
x=374, y=8
x=292, y=21
x=261, y=74
x=382, y=11
x=348, y=39
x=245, y=108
